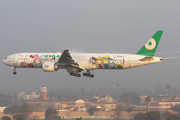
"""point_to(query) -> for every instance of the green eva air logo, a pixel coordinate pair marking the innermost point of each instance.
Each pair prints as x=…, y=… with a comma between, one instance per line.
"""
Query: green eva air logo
x=151, y=44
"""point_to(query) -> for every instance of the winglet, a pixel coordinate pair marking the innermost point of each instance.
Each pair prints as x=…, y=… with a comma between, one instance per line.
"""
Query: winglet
x=150, y=47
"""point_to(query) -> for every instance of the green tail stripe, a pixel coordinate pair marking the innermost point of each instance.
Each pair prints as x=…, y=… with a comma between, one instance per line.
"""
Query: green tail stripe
x=150, y=47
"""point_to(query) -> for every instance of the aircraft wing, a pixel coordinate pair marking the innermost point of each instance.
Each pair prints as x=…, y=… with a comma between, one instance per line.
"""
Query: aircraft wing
x=67, y=61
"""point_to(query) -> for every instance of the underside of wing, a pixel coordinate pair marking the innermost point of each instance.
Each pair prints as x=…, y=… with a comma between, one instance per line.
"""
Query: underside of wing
x=67, y=61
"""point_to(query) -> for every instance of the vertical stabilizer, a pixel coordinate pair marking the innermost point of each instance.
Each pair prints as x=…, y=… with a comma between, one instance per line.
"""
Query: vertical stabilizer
x=150, y=47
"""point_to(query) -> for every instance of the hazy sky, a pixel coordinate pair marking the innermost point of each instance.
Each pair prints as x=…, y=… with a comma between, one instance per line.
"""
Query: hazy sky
x=90, y=26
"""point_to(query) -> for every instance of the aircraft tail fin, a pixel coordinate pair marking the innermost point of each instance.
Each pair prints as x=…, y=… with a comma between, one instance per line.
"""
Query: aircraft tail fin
x=150, y=47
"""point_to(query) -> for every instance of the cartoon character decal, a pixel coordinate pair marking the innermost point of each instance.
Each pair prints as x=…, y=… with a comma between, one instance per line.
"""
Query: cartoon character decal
x=119, y=61
x=111, y=64
x=99, y=62
x=37, y=60
x=105, y=61
x=16, y=63
x=42, y=57
x=92, y=61
x=32, y=61
x=29, y=59
x=31, y=65
x=49, y=58
x=23, y=64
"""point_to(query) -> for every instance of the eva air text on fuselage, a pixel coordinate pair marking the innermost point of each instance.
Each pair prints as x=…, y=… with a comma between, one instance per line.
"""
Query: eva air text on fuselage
x=52, y=56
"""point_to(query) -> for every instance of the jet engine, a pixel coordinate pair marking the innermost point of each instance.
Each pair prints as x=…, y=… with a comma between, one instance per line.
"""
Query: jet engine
x=49, y=66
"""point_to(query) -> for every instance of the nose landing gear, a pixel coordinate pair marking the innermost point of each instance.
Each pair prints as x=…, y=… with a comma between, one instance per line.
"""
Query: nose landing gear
x=14, y=73
x=14, y=69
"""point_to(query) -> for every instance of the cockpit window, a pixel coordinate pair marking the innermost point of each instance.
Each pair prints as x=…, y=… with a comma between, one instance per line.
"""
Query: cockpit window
x=6, y=58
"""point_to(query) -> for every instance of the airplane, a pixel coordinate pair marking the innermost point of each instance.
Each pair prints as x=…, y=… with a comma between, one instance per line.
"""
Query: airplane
x=74, y=63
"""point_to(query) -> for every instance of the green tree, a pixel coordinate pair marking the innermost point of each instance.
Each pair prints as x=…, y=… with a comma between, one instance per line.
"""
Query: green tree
x=126, y=99
x=134, y=97
x=57, y=118
x=154, y=115
x=170, y=116
x=129, y=109
x=177, y=108
x=18, y=109
x=51, y=114
x=6, y=118
x=140, y=116
x=20, y=116
x=148, y=100
x=91, y=110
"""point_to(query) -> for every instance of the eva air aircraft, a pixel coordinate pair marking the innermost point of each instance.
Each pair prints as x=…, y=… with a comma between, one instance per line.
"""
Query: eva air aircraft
x=76, y=62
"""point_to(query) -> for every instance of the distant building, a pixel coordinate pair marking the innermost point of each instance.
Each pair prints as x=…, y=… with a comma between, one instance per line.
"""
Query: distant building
x=73, y=105
x=163, y=106
x=43, y=93
x=2, y=109
x=143, y=97
x=99, y=98
x=31, y=96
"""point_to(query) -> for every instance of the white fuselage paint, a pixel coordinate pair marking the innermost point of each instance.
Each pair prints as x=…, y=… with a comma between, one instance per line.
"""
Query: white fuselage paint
x=99, y=61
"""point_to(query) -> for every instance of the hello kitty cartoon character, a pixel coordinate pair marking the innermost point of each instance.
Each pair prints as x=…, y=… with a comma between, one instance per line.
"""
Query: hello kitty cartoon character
x=29, y=59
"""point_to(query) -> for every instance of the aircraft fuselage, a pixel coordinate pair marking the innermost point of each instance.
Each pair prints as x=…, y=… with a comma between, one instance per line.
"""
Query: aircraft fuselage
x=85, y=60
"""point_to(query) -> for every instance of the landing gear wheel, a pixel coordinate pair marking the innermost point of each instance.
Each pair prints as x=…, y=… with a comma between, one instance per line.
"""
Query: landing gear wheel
x=74, y=74
x=78, y=75
x=91, y=75
x=87, y=75
x=84, y=74
x=71, y=73
x=14, y=73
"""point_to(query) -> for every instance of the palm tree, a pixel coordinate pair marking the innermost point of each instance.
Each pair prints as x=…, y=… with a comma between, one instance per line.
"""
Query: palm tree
x=148, y=100
x=168, y=86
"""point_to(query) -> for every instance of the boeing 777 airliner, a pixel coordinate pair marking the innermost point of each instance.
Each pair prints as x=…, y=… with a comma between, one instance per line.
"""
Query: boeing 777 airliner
x=76, y=62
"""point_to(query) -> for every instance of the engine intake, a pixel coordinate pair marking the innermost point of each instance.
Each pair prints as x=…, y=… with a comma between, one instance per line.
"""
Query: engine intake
x=49, y=66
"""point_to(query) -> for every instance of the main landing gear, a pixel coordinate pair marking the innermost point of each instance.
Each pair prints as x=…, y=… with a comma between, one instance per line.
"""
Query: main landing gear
x=88, y=75
x=75, y=74
x=14, y=69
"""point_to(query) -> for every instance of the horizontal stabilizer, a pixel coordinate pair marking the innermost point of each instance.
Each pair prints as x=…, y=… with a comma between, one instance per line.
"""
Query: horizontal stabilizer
x=147, y=59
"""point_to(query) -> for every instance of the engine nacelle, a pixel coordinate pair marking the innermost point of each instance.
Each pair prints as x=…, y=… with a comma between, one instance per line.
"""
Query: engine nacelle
x=49, y=66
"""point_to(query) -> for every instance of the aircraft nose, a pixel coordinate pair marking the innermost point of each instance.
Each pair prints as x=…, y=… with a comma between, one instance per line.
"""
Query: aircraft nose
x=4, y=61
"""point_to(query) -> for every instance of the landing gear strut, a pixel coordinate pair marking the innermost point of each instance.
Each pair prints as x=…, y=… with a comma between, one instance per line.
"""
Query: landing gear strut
x=14, y=69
